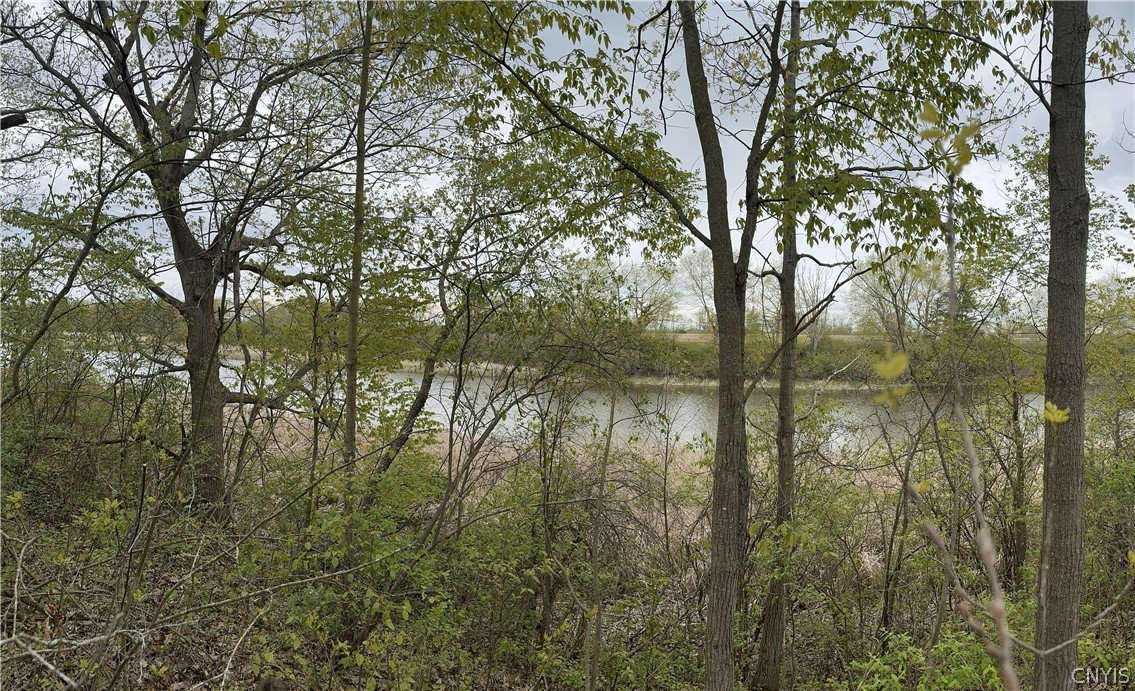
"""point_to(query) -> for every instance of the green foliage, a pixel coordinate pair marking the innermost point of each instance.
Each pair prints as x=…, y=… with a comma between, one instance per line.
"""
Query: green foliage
x=957, y=661
x=504, y=183
x=844, y=358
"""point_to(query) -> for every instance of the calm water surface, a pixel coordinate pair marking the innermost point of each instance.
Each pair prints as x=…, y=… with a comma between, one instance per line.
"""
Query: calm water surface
x=648, y=411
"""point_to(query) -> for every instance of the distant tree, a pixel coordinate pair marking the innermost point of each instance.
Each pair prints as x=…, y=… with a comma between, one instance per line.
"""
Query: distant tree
x=813, y=288
x=696, y=268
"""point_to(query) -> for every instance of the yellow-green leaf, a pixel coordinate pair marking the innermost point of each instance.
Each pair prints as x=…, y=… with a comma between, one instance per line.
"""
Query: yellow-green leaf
x=969, y=131
x=929, y=113
x=892, y=396
x=965, y=154
x=893, y=367
x=1055, y=415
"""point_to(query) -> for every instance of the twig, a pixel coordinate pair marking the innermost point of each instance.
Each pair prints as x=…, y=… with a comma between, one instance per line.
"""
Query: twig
x=16, y=585
x=1096, y=623
x=1003, y=654
x=39, y=658
x=229, y=664
x=275, y=588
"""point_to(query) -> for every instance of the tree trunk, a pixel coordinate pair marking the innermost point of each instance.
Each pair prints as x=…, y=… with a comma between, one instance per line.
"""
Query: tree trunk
x=200, y=272
x=1018, y=523
x=549, y=580
x=594, y=546
x=354, y=294
x=1062, y=552
x=729, y=499
x=893, y=563
x=350, y=434
x=207, y=398
x=774, y=617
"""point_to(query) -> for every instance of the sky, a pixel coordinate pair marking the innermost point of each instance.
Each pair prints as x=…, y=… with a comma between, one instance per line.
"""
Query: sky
x=1110, y=107
x=1110, y=115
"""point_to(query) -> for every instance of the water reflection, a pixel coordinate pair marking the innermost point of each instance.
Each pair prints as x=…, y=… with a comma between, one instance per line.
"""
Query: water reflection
x=649, y=409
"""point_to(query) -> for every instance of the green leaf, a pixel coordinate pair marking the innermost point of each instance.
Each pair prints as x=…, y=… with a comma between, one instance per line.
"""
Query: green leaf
x=929, y=113
x=969, y=131
x=893, y=367
x=892, y=396
x=1055, y=415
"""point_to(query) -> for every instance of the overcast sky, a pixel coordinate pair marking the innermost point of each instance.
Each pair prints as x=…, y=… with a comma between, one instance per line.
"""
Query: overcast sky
x=1109, y=108
x=1110, y=114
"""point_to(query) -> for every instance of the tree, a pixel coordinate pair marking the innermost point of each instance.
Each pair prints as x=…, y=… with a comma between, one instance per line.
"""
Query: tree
x=813, y=289
x=902, y=302
x=1062, y=527
x=697, y=270
x=1012, y=283
x=774, y=615
x=216, y=119
x=833, y=187
x=729, y=501
x=350, y=434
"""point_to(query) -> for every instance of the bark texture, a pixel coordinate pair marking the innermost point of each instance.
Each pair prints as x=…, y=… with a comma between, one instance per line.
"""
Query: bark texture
x=207, y=395
x=729, y=500
x=1062, y=552
x=350, y=433
x=199, y=271
x=774, y=616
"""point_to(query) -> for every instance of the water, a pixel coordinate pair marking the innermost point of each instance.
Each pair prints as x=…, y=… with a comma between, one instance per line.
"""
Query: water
x=648, y=411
